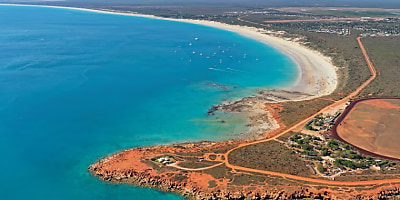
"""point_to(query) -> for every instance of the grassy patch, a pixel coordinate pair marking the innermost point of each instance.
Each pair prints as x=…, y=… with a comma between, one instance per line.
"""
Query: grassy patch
x=271, y=156
x=219, y=172
x=246, y=179
x=212, y=184
x=385, y=54
x=294, y=112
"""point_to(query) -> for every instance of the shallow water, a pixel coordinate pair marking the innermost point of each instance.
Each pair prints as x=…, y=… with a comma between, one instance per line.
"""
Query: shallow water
x=76, y=86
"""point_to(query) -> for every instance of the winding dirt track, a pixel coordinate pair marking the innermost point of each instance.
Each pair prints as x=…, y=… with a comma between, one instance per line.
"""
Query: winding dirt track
x=195, y=169
x=335, y=104
x=327, y=108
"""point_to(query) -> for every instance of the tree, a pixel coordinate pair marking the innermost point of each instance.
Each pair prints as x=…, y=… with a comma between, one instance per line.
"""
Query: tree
x=333, y=144
x=321, y=168
x=325, y=152
x=307, y=147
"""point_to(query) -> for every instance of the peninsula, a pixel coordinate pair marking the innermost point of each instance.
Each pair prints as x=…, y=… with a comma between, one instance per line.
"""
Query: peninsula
x=278, y=164
x=201, y=111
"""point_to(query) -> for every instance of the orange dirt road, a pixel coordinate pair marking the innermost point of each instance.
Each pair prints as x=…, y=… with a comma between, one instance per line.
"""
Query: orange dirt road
x=335, y=104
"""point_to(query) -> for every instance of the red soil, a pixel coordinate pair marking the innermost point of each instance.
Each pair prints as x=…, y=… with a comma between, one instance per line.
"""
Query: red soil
x=135, y=163
x=381, y=103
x=372, y=125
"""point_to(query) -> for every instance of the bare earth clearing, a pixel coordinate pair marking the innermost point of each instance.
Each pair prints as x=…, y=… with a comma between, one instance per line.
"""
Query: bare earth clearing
x=373, y=125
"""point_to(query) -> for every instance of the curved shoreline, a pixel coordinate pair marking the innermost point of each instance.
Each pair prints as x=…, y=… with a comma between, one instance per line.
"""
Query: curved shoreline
x=155, y=181
x=317, y=75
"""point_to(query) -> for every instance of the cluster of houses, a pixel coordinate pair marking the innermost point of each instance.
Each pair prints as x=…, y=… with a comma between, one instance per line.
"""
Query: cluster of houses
x=322, y=122
x=338, y=31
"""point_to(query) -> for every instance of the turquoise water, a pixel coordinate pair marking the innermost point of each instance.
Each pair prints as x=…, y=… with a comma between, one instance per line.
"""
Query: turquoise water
x=76, y=86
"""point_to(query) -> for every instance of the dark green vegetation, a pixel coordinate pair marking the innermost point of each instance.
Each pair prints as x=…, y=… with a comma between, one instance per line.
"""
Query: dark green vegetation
x=328, y=155
x=271, y=156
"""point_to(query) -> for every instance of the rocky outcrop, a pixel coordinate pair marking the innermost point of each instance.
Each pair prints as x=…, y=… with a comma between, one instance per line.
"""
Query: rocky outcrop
x=191, y=192
x=390, y=193
x=134, y=166
x=263, y=96
x=261, y=121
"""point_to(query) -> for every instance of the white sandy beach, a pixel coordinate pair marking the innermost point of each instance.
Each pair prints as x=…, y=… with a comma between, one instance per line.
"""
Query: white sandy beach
x=317, y=75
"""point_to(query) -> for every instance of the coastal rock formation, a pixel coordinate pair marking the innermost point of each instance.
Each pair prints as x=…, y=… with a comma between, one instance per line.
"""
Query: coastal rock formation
x=141, y=167
x=261, y=120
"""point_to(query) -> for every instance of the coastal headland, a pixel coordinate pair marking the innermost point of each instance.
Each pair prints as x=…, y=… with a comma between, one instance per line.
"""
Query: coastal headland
x=261, y=169
x=214, y=170
x=257, y=169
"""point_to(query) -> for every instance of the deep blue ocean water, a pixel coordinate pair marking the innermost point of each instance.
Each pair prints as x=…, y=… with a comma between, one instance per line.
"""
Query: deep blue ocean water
x=76, y=86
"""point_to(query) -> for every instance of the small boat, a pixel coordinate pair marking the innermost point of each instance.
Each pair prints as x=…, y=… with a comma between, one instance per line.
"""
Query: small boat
x=190, y=44
x=193, y=52
x=196, y=38
x=215, y=69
